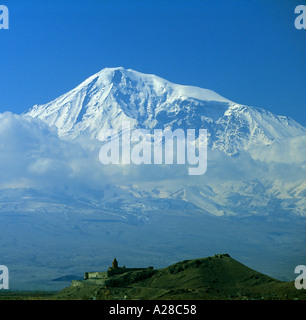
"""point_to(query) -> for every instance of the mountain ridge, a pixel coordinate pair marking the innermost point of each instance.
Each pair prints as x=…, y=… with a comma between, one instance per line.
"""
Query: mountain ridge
x=113, y=95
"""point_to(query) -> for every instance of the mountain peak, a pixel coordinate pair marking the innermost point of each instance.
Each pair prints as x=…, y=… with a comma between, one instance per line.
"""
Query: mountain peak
x=122, y=75
x=113, y=95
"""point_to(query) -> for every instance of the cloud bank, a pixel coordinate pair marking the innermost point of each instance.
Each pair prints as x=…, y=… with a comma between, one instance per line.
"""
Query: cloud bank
x=34, y=157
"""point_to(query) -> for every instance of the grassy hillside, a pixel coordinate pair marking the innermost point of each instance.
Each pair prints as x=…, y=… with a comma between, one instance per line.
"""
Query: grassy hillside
x=216, y=277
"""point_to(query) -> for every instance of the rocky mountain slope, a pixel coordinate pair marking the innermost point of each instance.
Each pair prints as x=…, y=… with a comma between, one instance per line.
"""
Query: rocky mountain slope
x=114, y=95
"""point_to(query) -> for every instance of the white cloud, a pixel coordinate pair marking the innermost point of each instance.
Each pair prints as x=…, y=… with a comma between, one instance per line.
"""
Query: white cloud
x=289, y=151
x=32, y=152
x=33, y=156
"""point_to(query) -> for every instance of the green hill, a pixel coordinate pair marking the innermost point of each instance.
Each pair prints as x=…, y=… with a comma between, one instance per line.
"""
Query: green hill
x=216, y=277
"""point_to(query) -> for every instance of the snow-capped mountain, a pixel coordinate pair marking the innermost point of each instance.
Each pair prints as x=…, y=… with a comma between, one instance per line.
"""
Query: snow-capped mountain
x=63, y=211
x=231, y=187
x=114, y=95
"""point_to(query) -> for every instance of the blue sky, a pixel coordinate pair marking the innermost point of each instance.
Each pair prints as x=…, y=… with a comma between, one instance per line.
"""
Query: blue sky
x=246, y=50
